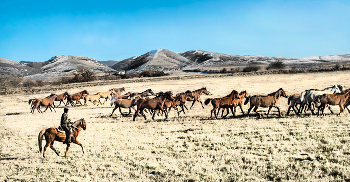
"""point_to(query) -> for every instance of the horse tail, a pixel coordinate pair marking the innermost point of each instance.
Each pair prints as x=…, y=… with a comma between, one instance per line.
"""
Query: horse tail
x=247, y=100
x=206, y=102
x=40, y=139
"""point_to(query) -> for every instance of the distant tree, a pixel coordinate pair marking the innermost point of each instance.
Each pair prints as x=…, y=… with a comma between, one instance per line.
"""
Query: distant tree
x=276, y=65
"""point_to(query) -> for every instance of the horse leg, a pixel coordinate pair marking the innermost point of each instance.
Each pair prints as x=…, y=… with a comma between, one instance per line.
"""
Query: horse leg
x=240, y=106
x=136, y=112
x=268, y=112
x=192, y=104
x=81, y=145
x=201, y=103
x=279, y=111
x=256, y=111
x=53, y=148
x=113, y=110
x=250, y=108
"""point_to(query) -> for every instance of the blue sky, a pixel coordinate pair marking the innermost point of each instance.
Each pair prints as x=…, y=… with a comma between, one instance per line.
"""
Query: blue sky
x=116, y=30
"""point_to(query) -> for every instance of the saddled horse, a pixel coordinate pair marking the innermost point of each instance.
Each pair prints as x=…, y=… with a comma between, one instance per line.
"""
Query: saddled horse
x=235, y=102
x=123, y=103
x=106, y=95
x=76, y=97
x=45, y=102
x=342, y=99
x=156, y=103
x=269, y=101
x=308, y=96
x=52, y=135
x=195, y=96
x=222, y=102
x=92, y=98
x=61, y=98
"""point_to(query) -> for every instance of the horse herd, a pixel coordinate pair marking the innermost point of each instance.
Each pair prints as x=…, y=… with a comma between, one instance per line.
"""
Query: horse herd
x=163, y=102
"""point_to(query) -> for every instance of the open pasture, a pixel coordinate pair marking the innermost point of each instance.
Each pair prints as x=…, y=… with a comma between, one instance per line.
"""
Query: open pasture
x=190, y=147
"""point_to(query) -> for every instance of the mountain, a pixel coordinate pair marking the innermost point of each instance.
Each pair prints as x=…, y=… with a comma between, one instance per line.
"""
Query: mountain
x=160, y=60
x=9, y=67
x=59, y=66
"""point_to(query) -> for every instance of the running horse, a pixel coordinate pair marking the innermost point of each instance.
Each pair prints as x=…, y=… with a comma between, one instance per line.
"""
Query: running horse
x=105, y=95
x=195, y=96
x=269, y=101
x=235, y=102
x=307, y=97
x=223, y=102
x=156, y=103
x=76, y=97
x=46, y=102
x=52, y=135
x=61, y=98
x=341, y=99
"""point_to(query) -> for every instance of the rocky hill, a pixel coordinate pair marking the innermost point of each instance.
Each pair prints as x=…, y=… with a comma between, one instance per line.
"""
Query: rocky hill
x=160, y=60
x=9, y=67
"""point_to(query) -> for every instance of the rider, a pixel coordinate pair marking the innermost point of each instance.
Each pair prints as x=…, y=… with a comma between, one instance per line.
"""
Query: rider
x=66, y=125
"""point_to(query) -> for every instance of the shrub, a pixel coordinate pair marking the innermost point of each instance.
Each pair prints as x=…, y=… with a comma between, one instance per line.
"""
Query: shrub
x=251, y=68
x=276, y=65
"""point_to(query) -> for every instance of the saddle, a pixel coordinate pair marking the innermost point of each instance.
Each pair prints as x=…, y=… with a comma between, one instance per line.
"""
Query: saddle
x=60, y=129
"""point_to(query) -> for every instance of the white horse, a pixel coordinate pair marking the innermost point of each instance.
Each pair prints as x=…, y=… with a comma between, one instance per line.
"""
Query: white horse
x=308, y=96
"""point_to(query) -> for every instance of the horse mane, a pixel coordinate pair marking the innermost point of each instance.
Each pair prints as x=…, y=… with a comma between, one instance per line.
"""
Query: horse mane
x=276, y=93
x=77, y=122
x=234, y=92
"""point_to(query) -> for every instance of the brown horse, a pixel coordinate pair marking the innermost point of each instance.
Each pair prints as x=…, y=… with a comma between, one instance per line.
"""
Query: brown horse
x=76, y=97
x=52, y=135
x=153, y=104
x=293, y=101
x=195, y=96
x=61, y=98
x=269, y=101
x=143, y=94
x=124, y=103
x=106, y=95
x=92, y=98
x=341, y=99
x=45, y=102
x=236, y=102
x=223, y=102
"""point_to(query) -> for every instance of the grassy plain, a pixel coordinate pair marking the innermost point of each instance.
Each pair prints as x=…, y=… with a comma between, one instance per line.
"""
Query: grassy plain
x=191, y=147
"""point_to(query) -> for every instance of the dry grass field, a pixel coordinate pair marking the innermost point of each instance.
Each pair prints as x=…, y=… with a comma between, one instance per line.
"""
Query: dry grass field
x=191, y=147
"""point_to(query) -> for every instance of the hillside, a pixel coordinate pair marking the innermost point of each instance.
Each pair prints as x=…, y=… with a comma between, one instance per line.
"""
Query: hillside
x=160, y=59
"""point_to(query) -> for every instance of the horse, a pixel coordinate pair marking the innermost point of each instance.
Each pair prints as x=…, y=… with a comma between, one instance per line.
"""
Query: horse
x=61, y=98
x=340, y=99
x=46, y=102
x=179, y=100
x=153, y=104
x=30, y=102
x=143, y=94
x=195, y=96
x=235, y=102
x=92, y=98
x=269, y=101
x=76, y=97
x=124, y=103
x=105, y=95
x=222, y=102
x=308, y=96
x=293, y=101
x=52, y=135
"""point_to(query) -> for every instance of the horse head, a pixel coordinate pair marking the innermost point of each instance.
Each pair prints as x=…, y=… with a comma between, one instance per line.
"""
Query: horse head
x=204, y=89
x=283, y=93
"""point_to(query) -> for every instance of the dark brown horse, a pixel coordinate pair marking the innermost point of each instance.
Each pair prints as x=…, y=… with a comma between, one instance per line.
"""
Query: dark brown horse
x=61, y=98
x=223, y=102
x=156, y=103
x=52, y=135
x=341, y=99
x=143, y=94
x=236, y=102
x=76, y=97
x=269, y=101
x=195, y=96
x=45, y=102
x=293, y=101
